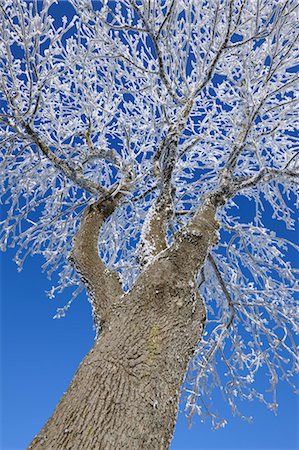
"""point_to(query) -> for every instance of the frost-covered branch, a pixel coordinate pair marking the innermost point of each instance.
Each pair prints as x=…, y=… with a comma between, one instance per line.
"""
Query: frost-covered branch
x=153, y=238
x=224, y=289
x=170, y=111
x=73, y=173
x=267, y=175
x=162, y=70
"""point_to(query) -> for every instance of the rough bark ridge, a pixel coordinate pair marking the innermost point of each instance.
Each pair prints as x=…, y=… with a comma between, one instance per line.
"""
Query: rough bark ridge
x=125, y=393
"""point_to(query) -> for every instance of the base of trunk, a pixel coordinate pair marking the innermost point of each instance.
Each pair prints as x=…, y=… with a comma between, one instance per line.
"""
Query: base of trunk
x=125, y=393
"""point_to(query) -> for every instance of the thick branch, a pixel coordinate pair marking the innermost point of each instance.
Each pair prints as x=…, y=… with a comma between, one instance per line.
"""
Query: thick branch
x=154, y=230
x=73, y=174
x=153, y=233
x=193, y=241
x=102, y=284
x=199, y=235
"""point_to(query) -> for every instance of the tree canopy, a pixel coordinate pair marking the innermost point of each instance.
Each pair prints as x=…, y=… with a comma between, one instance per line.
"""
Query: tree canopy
x=160, y=106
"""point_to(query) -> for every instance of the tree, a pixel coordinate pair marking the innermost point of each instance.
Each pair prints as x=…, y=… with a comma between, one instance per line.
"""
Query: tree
x=132, y=132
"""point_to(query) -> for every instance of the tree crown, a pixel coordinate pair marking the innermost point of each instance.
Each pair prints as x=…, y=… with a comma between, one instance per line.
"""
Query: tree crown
x=161, y=106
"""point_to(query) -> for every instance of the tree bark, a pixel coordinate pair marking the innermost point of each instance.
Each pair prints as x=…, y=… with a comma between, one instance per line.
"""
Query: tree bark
x=125, y=393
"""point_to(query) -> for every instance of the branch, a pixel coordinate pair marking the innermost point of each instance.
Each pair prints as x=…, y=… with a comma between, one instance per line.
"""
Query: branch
x=167, y=16
x=263, y=175
x=291, y=160
x=162, y=71
x=219, y=52
x=103, y=285
x=224, y=289
x=74, y=174
x=236, y=151
x=230, y=186
x=194, y=241
x=101, y=153
x=154, y=229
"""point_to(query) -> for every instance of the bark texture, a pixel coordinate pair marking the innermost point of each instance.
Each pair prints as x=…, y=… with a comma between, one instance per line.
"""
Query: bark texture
x=125, y=393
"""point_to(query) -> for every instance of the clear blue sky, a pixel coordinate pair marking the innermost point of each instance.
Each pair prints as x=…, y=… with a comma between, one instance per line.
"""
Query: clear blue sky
x=40, y=356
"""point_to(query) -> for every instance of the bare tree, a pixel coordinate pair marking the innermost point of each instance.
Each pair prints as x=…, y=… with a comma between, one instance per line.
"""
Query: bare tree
x=132, y=131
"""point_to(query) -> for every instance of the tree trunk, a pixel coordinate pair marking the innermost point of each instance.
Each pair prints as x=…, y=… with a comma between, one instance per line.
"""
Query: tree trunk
x=125, y=393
